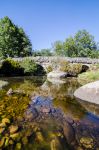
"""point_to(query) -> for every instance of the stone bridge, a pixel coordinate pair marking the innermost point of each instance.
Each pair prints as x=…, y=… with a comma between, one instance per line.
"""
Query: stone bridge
x=46, y=61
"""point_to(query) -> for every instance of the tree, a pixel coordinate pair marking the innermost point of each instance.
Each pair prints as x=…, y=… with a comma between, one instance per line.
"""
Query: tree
x=13, y=40
x=45, y=52
x=81, y=45
x=58, y=48
x=70, y=48
x=85, y=43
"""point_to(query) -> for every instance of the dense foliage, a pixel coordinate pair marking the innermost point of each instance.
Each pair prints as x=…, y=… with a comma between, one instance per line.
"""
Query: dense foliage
x=31, y=68
x=13, y=40
x=10, y=67
x=81, y=45
x=43, y=52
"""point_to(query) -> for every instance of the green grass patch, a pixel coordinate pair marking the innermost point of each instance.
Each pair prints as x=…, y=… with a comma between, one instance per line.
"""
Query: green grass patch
x=87, y=77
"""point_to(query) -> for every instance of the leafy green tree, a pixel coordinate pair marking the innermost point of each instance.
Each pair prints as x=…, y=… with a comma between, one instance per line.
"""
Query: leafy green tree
x=46, y=52
x=58, y=48
x=70, y=48
x=85, y=43
x=13, y=40
x=81, y=45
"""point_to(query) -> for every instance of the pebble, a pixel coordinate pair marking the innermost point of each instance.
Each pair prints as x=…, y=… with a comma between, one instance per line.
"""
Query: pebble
x=13, y=129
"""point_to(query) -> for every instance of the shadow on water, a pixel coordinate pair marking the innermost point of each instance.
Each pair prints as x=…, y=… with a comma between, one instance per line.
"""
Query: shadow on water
x=45, y=132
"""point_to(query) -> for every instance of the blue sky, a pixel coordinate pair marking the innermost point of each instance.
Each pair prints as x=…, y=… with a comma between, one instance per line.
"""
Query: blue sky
x=46, y=21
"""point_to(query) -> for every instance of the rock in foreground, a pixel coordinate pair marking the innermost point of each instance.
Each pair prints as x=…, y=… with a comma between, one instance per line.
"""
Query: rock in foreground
x=89, y=92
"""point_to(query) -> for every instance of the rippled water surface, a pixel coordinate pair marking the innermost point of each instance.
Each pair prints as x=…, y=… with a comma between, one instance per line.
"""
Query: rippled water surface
x=45, y=131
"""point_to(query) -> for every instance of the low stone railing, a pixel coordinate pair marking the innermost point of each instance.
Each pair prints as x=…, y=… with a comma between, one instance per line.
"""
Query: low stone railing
x=41, y=59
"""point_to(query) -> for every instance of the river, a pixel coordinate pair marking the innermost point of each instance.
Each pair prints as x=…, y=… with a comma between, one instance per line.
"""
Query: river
x=73, y=124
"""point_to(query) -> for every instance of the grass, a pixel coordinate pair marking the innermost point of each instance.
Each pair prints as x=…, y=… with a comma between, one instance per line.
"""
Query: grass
x=87, y=77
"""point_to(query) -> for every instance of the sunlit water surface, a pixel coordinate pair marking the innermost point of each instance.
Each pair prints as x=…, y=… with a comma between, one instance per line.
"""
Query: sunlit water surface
x=46, y=133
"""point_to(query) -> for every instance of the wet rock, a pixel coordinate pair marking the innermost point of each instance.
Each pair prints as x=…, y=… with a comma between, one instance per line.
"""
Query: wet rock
x=45, y=110
x=10, y=92
x=6, y=142
x=2, y=125
x=69, y=133
x=11, y=142
x=2, y=130
x=15, y=136
x=2, y=141
x=6, y=121
x=87, y=142
x=55, y=144
x=69, y=120
x=31, y=114
x=13, y=129
x=18, y=146
x=24, y=140
x=79, y=148
x=39, y=137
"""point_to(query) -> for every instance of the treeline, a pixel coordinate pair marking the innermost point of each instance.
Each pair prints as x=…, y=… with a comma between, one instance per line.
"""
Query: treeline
x=15, y=43
x=81, y=45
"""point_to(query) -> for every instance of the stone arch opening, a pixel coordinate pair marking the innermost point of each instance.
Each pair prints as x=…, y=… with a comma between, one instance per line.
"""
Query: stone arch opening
x=84, y=68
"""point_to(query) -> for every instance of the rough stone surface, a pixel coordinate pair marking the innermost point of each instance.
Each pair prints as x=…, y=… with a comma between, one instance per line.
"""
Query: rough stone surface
x=89, y=92
x=57, y=74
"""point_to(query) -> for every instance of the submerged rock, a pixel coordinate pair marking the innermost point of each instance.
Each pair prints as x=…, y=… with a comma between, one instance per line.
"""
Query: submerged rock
x=39, y=137
x=69, y=133
x=2, y=130
x=2, y=141
x=15, y=136
x=31, y=114
x=87, y=142
x=45, y=110
x=6, y=121
x=13, y=129
x=10, y=92
x=18, y=146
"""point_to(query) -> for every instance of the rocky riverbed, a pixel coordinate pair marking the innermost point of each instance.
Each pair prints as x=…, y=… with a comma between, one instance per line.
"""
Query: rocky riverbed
x=45, y=115
x=78, y=134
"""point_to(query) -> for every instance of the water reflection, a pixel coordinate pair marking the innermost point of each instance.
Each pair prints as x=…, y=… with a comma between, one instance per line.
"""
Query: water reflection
x=46, y=130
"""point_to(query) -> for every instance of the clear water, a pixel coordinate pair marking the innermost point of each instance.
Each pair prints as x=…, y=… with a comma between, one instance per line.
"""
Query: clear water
x=47, y=133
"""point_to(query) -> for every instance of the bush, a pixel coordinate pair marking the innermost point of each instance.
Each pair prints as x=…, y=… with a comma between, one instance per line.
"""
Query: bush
x=88, y=77
x=64, y=66
x=10, y=67
x=71, y=69
x=31, y=68
x=75, y=69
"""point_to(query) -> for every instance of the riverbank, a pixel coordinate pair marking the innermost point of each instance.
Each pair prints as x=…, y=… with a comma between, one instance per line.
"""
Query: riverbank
x=88, y=77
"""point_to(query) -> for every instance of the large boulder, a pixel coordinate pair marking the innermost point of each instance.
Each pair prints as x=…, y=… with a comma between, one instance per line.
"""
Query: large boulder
x=89, y=92
x=57, y=74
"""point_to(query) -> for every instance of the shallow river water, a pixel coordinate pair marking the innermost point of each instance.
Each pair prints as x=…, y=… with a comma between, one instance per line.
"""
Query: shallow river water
x=45, y=115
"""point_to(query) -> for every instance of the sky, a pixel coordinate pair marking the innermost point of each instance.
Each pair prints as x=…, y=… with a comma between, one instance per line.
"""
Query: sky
x=46, y=21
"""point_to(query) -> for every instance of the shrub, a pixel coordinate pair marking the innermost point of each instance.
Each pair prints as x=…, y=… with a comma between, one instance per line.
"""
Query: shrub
x=71, y=69
x=31, y=68
x=75, y=69
x=64, y=66
x=10, y=67
x=88, y=77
